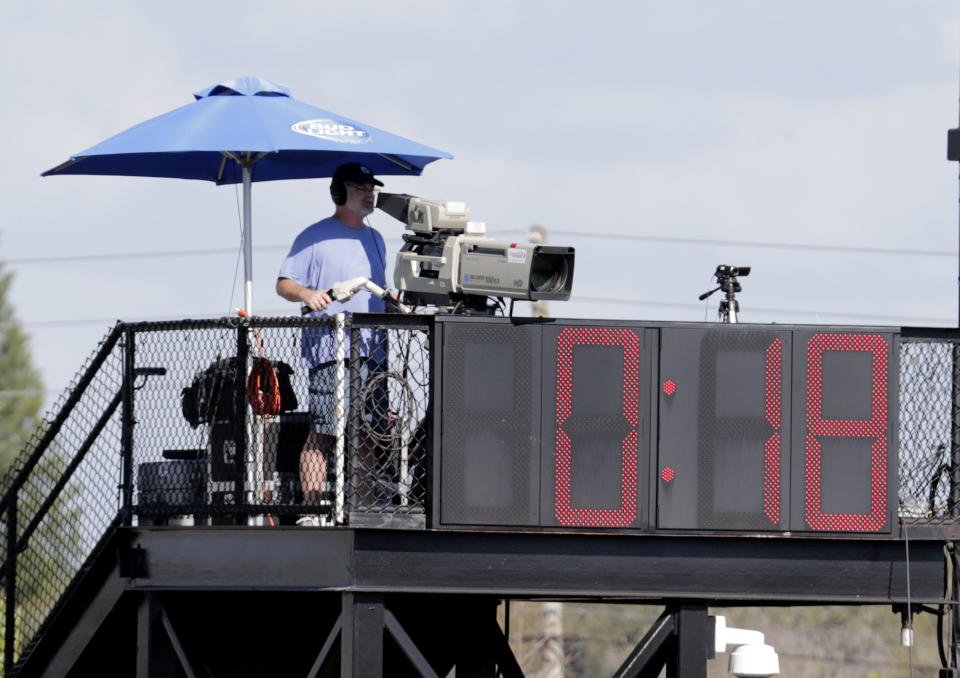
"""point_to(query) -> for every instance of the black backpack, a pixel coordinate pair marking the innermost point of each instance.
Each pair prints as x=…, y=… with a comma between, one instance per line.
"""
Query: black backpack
x=212, y=395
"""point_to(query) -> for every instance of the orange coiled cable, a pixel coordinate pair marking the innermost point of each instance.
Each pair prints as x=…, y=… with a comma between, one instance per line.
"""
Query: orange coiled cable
x=263, y=389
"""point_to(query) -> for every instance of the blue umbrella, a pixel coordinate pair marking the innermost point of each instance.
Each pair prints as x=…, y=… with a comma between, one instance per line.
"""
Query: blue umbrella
x=245, y=130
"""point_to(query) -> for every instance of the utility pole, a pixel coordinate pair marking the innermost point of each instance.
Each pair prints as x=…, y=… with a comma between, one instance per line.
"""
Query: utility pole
x=538, y=236
x=552, y=663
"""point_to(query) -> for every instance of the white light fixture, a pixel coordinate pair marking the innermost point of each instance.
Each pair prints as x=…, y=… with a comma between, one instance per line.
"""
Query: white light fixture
x=751, y=657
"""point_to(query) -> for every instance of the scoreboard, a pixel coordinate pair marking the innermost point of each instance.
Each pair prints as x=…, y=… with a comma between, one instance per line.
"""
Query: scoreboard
x=665, y=427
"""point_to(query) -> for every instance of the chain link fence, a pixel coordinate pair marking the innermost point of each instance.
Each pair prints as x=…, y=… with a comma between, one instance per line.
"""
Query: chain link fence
x=61, y=497
x=283, y=422
x=314, y=421
x=929, y=487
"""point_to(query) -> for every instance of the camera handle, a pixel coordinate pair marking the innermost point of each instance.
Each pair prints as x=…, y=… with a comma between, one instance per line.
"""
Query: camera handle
x=342, y=291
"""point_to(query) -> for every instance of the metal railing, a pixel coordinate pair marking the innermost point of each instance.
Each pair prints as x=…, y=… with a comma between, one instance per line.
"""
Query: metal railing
x=179, y=422
x=59, y=497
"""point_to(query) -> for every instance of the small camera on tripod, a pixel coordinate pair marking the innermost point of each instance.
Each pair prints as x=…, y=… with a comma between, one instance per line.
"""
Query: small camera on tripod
x=723, y=272
x=727, y=282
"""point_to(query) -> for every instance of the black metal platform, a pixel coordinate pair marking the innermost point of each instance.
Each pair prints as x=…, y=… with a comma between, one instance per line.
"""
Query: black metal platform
x=551, y=460
x=511, y=564
x=282, y=592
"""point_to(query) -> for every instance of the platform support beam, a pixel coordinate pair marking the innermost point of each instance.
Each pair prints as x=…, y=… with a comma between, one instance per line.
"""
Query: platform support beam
x=361, y=635
x=159, y=650
x=681, y=639
x=694, y=632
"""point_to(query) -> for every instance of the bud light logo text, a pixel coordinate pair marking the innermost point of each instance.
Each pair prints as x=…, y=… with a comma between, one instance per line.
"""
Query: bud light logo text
x=332, y=130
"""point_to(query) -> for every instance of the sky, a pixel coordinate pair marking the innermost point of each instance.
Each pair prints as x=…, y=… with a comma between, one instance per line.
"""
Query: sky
x=660, y=139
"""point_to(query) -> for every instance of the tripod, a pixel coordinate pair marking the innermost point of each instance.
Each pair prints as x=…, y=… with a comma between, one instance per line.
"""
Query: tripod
x=729, y=311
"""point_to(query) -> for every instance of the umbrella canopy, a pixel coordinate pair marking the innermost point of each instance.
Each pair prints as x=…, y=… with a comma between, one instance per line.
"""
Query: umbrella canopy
x=245, y=130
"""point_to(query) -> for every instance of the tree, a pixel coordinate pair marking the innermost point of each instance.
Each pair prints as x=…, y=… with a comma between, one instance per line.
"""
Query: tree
x=21, y=390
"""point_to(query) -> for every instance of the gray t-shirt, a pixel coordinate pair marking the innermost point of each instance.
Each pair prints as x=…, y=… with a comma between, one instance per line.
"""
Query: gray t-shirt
x=329, y=252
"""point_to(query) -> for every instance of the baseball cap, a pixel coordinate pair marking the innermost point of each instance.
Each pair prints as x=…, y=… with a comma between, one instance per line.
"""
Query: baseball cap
x=355, y=173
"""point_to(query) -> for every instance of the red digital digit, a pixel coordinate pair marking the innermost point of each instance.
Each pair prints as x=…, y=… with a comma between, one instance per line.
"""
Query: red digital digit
x=565, y=513
x=818, y=427
x=773, y=399
x=731, y=419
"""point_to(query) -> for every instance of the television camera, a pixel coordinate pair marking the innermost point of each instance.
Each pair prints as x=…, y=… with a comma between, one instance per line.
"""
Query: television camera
x=447, y=261
x=729, y=311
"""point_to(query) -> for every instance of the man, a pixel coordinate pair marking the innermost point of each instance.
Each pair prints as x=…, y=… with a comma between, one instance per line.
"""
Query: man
x=332, y=250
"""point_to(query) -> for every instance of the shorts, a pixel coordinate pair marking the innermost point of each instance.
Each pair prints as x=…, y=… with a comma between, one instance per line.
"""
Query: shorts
x=323, y=402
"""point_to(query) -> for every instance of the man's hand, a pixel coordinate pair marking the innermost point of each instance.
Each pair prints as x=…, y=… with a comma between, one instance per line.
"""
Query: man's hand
x=315, y=300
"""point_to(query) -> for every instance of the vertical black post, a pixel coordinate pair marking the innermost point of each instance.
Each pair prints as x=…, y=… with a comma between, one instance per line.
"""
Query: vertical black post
x=240, y=423
x=694, y=633
x=354, y=412
x=477, y=656
x=127, y=424
x=361, y=635
x=953, y=154
x=435, y=361
x=146, y=615
x=954, y=656
x=10, y=567
x=953, y=501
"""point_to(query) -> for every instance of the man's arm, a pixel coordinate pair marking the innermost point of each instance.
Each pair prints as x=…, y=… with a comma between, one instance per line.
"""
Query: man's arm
x=315, y=300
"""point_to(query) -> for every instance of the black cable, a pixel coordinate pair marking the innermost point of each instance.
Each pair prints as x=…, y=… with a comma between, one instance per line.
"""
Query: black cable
x=763, y=245
x=459, y=308
x=583, y=234
x=934, y=487
x=236, y=266
x=873, y=317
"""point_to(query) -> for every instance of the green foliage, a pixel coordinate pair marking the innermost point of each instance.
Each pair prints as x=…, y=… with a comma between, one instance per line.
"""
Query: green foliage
x=21, y=398
x=827, y=641
x=20, y=386
x=51, y=557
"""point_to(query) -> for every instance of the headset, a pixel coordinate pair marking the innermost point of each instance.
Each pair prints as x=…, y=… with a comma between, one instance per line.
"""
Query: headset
x=338, y=191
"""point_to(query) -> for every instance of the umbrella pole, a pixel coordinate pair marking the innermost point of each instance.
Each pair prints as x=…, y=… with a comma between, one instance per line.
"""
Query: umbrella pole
x=255, y=484
x=247, y=242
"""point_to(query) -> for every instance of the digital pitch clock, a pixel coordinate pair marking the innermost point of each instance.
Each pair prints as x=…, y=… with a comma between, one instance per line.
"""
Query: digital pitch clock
x=666, y=427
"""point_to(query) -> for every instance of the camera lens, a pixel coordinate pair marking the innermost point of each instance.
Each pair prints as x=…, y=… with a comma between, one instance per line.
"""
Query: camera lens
x=548, y=273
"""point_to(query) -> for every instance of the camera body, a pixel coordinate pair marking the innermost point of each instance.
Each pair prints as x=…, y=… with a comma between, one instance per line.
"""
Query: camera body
x=727, y=277
x=447, y=260
x=724, y=271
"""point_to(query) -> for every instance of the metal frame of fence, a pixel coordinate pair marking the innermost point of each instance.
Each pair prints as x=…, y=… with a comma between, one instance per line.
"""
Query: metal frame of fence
x=126, y=447
x=929, y=422
x=120, y=449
